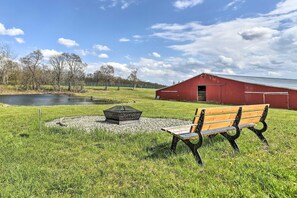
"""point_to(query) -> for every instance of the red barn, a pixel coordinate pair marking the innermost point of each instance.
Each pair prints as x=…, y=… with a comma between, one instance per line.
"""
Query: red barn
x=231, y=89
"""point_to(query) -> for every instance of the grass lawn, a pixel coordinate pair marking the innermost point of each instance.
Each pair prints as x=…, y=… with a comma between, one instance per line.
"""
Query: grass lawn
x=67, y=162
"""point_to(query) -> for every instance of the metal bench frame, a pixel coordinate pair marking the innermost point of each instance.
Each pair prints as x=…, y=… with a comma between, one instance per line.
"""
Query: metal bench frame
x=223, y=131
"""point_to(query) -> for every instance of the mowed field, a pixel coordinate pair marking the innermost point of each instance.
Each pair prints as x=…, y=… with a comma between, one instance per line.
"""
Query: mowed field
x=48, y=162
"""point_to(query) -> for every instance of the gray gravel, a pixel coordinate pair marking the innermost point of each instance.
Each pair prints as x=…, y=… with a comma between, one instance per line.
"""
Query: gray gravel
x=89, y=123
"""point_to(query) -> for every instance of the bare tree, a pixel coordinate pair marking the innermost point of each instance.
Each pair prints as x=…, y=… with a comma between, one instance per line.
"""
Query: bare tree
x=118, y=82
x=98, y=76
x=12, y=73
x=75, y=68
x=107, y=71
x=46, y=75
x=32, y=63
x=58, y=64
x=133, y=77
x=7, y=64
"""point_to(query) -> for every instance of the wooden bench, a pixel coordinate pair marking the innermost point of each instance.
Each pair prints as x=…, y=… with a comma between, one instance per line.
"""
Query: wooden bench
x=220, y=120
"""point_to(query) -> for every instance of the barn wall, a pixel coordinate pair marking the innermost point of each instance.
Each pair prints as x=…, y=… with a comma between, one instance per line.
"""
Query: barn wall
x=225, y=91
x=293, y=99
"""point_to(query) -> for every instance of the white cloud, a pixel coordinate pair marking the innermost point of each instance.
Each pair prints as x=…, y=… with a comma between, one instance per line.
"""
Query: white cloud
x=258, y=33
x=124, y=40
x=285, y=7
x=228, y=71
x=156, y=54
x=121, y=69
x=275, y=74
x=123, y=4
x=137, y=36
x=47, y=53
x=251, y=46
x=67, y=42
x=183, y=4
x=84, y=52
x=103, y=56
x=19, y=40
x=101, y=47
x=234, y=4
x=226, y=60
x=161, y=71
x=10, y=32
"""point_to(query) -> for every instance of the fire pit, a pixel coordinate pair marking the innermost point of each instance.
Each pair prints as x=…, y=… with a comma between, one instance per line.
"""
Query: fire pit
x=122, y=115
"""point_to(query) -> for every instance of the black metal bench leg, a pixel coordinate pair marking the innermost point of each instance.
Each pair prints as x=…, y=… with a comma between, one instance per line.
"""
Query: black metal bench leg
x=194, y=149
x=262, y=138
x=259, y=135
x=259, y=132
x=234, y=145
x=174, y=143
x=211, y=137
x=197, y=156
x=232, y=139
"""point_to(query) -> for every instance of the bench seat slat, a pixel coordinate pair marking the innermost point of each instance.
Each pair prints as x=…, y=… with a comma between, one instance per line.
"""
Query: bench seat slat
x=241, y=126
x=187, y=135
x=182, y=127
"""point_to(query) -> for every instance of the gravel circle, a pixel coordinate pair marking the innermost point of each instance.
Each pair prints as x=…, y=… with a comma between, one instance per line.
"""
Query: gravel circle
x=90, y=123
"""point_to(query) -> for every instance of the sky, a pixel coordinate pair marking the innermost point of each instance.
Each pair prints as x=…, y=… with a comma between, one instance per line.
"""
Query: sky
x=166, y=40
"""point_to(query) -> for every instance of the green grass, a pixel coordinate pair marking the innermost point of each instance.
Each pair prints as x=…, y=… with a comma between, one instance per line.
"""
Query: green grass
x=67, y=162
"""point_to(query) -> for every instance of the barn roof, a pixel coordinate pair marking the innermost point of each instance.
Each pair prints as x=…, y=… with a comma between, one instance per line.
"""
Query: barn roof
x=271, y=82
x=265, y=81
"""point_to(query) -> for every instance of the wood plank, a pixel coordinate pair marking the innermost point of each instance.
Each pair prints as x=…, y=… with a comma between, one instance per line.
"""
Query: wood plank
x=249, y=120
x=195, y=120
x=187, y=136
x=221, y=110
x=251, y=114
x=177, y=127
x=218, y=118
x=217, y=125
x=177, y=133
x=228, y=114
x=260, y=107
x=216, y=131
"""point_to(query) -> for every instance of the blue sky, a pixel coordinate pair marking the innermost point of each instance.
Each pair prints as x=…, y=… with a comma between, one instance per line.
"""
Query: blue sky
x=166, y=40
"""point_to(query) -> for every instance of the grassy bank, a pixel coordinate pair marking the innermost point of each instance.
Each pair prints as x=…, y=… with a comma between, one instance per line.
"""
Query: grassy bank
x=61, y=162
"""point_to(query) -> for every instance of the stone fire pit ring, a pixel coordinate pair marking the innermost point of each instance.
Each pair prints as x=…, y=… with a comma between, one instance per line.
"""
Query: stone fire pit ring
x=91, y=123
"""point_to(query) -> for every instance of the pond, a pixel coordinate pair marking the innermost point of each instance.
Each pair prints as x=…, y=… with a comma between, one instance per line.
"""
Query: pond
x=49, y=100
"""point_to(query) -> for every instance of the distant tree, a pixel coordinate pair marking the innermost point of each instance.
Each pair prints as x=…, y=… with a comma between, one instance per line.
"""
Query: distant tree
x=13, y=74
x=133, y=77
x=58, y=64
x=7, y=65
x=107, y=72
x=119, y=82
x=98, y=77
x=75, y=68
x=31, y=66
x=46, y=75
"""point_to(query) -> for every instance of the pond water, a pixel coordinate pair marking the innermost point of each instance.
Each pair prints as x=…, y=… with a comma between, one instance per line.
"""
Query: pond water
x=49, y=100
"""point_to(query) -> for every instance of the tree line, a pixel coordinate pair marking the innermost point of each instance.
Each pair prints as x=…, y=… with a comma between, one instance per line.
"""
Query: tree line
x=66, y=69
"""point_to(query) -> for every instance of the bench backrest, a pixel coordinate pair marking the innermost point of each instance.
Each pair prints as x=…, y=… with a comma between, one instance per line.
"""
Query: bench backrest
x=218, y=117
x=221, y=117
x=253, y=113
